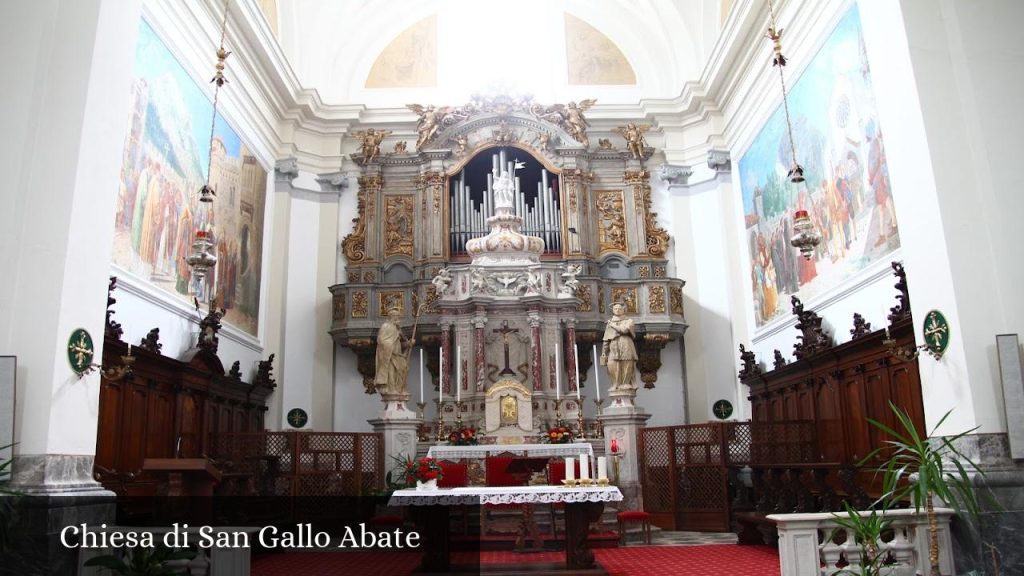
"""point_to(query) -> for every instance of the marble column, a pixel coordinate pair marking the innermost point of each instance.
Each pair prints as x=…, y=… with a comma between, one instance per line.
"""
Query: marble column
x=446, y=359
x=570, y=354
x=535, y=351
x=479, y=323
x=624, y=429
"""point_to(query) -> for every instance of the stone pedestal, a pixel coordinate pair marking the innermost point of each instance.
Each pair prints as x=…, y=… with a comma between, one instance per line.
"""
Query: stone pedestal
x=399, y=438
x=395, y=407
x=623, y=424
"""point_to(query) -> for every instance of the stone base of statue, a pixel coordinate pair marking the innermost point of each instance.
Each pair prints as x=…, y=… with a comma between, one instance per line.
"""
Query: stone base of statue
x=400, y=436
x=395, y=408
x=621, y=402
x=624, y=430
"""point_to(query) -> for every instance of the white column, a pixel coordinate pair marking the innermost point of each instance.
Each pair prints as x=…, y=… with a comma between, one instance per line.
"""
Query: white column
x=64, y=124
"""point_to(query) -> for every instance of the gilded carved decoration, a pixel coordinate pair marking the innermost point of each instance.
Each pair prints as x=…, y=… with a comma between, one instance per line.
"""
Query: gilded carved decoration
x=611, y=224
x=584, y=294
x=649, y=356
x=657, y=237
x=634, y=135
x=398, y=225
x=354, y=245
x=370, y=277
x=365, y=349
x=390, y=299
x=353, y=277
x=676, y=299
x=656, y=299
x=433, y=184
x=600, y=299
x=659, y=271
x=432, y=120
x=627, y=296
x=644, y=272
x=360, y=304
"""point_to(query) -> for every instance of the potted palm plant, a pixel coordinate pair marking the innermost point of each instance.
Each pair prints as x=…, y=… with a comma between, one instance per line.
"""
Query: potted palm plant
x=867, y=530
x=920, y=468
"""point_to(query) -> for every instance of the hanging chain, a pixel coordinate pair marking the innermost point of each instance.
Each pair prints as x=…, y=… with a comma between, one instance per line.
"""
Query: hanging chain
x=775, y=35
x=218, y=80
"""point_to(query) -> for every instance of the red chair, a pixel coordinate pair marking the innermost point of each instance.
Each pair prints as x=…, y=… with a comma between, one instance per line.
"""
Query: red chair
x=634, y=516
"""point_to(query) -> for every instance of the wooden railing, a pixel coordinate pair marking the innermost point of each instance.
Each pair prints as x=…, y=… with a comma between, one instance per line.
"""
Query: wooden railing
x=301, y=463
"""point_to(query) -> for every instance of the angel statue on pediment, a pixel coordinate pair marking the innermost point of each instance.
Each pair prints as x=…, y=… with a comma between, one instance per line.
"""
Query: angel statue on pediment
x=569, y=117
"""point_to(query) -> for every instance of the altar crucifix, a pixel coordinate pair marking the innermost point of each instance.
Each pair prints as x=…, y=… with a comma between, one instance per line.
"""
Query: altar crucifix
x=505, y=331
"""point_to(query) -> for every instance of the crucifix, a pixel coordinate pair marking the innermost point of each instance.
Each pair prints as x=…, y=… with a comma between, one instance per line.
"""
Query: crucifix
x=505, y=331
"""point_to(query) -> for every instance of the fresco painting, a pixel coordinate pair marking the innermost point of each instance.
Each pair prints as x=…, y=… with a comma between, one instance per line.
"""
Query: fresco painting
x=167, y=155
x=847, y=193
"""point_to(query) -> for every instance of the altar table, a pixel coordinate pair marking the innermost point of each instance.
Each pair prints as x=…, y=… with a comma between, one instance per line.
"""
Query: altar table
x=582, y=506
x=481, y=451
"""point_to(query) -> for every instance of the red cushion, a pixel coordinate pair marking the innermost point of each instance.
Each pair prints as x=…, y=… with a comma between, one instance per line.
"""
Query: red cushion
x=454, y=474
x=632, y=515
x=496, y=473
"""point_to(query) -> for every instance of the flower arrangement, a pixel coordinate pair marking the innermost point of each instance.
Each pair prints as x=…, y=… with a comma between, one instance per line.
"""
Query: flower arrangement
x=559, y=434
x=464, y=437
x=422, y=469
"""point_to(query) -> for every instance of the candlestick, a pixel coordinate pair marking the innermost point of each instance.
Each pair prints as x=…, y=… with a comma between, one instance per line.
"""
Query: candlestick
x=602, y=468
x=597, y=379
x=570, y=468
x=440, y=421
x=421, y=375
x=581, y=432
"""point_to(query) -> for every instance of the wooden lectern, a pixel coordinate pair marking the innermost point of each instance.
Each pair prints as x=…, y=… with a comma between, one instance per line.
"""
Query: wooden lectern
x=186, y=476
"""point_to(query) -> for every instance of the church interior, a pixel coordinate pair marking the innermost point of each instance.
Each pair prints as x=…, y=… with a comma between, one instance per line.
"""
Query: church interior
x=687, y=287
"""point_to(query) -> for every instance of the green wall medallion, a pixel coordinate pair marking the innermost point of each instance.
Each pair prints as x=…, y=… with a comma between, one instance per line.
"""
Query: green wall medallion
x=936, y=333
x=80, y=351
x=297, y=418
x=722, y=409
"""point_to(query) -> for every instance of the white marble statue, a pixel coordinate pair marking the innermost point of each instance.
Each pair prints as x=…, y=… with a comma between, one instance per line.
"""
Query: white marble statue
x=504, y=189
x=442, y=281
x=569, y=282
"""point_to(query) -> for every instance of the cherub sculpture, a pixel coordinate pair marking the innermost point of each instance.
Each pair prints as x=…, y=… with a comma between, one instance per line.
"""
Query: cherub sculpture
x=429, y=122
x=442, y=281
x=569, y=117
x=400, y=147
x=569, y=282
x=634, y=135
x=604, y=144
x=371, y=139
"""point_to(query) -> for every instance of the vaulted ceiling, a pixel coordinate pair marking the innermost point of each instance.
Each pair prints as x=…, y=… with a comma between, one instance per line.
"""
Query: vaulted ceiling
x=385, y=53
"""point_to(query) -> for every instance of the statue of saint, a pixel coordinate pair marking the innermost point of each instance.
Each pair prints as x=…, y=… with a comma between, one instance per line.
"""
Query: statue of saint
x=392, y=358
x=504, y=188
x=618, y=351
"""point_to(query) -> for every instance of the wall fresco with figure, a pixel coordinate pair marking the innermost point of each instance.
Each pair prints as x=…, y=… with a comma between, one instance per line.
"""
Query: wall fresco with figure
x=166, y=158
x=847, y=193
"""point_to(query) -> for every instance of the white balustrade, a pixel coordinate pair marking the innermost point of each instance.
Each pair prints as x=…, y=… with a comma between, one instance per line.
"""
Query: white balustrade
x=814, y=545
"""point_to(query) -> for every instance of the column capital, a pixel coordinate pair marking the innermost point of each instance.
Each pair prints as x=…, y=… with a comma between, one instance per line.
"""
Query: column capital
x=720, y=160
x=677, y=176
x=333, y=181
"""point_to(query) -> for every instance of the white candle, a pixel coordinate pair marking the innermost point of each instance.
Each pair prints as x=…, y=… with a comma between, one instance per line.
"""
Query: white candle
x=558, y=377
x=602, y=468
x=597, y=370
x=421, y=375
x=576, y=362
x=458, y=373
x=570, y=468
x=584, y=467
x=440, y=386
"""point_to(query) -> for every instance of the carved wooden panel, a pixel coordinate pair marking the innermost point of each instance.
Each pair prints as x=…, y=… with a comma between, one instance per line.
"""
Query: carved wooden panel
x=611, y=223
x=390, y=299
x=625, y=295
x=167, y=408
x=398, y=225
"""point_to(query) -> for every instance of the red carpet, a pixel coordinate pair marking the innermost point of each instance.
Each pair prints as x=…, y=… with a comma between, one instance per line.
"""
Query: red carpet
x=714, y=560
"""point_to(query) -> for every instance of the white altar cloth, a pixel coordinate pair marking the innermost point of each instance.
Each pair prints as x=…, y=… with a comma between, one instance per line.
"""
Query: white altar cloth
x=475, y=495
x=531, y=450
